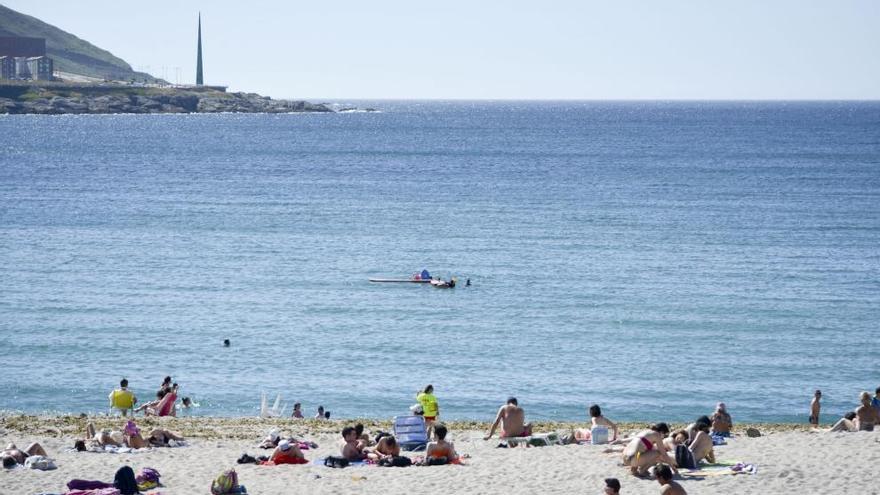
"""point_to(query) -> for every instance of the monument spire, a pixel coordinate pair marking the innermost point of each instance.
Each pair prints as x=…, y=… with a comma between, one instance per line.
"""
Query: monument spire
x=200, y=80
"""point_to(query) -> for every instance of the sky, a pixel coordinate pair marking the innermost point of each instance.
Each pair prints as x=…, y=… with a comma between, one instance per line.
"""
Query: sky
x=495, y=49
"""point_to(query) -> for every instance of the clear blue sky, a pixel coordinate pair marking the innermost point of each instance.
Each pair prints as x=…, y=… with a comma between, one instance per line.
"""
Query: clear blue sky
x=496, y=49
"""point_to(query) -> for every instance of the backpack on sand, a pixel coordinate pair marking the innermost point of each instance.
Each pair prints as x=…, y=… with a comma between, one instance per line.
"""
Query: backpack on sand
x=226, y=482
x=684, y=457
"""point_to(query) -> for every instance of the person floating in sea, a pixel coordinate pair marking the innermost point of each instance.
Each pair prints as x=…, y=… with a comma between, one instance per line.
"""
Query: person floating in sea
x=467, y=283
x=512, y=420
x=320, y=414
x=122, y=399
x=226, y=343
x=297, y=411
x=664, y=476
x=721, y=421
x=815, y=408
x=430, y=407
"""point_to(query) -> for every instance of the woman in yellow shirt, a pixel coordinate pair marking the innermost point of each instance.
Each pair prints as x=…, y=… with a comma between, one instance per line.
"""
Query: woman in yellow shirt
x=430, y=408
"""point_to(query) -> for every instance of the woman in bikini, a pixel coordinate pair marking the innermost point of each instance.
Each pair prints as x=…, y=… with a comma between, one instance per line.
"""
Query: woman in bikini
x=440, y=451
x=647, y=449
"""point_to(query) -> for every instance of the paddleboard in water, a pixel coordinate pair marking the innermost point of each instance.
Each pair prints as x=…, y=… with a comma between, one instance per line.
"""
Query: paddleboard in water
x=400, y=280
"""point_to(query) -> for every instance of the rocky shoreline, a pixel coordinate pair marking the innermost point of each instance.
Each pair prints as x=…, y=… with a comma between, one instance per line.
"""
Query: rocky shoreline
x=102, y=99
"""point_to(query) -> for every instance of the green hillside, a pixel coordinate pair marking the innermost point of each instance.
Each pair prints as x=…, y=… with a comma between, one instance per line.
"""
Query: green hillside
x=69, y=53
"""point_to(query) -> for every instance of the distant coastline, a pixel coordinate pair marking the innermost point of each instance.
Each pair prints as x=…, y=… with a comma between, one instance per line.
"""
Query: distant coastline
x=53, y=98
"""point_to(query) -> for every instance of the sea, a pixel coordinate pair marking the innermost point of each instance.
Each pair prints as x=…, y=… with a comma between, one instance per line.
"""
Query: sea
x=651, y=257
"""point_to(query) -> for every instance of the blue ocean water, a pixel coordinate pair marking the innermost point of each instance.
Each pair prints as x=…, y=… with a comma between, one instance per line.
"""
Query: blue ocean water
x=652, y=257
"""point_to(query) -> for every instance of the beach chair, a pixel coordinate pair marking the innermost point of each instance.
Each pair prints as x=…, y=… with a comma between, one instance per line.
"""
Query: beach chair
x=275, y=411
x=410, y=432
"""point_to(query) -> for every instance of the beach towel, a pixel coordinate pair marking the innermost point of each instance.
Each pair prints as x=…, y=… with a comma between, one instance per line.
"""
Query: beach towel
x=39, y=462
x=85, y=485
x=98, y=491
x=720, y=468
x=321, y=462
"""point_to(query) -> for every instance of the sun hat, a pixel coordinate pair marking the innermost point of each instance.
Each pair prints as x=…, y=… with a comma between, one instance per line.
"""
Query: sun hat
x=284, y=445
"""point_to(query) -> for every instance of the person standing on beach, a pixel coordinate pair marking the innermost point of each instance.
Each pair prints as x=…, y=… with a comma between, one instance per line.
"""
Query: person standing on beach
x=122, y=398
x=512, y=419
x=664, y=477
x=815, y=407
x=430, y=407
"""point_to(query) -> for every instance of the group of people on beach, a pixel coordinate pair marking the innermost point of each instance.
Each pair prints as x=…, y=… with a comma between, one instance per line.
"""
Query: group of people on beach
x=863, y=418
x=123, y=400
x=298, y=414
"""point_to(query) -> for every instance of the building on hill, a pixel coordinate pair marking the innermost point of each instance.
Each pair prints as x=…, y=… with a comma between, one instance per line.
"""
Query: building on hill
x=20, y=46
x=7, y=67
x=41, y=68
x=22, y=69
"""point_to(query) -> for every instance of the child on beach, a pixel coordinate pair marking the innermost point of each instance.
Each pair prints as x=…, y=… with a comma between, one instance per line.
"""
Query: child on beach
x=352, y=450
x=815, y=407
x=430, y=408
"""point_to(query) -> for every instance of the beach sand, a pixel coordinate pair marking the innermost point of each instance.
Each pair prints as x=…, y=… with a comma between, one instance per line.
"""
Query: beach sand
x=790, y=459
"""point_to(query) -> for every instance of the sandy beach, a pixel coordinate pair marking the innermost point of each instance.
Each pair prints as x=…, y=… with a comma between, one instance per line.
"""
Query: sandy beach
x=790, y=459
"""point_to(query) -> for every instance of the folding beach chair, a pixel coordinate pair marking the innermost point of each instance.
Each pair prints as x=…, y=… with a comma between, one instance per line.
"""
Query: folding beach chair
x=410, y=432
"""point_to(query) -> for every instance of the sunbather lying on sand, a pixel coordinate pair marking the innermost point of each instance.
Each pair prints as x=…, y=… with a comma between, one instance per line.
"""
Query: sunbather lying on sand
x=647, y=449
x=386, y=447
x=846, y=423
x=512, y=420
x=286, y=453
x=12, y=455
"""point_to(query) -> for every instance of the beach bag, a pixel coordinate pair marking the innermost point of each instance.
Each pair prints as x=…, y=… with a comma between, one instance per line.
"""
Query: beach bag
x=336, y=462
x=599, y=435
x=147, y=475
x=684, y=457
x=124, y=481
x=226, y=482
x=396, y=461
x=40, y=462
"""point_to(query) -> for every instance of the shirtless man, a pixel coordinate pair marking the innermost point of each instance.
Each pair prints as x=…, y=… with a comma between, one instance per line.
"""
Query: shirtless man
x=512, y=419
x=352, y=450
x=815, y=407
x=865, y=414
x=664, y=477
x=721, y=421
x=701, y=445
x=386, y=447
x=12, y=455
x=647, y=449
x=440, y=451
